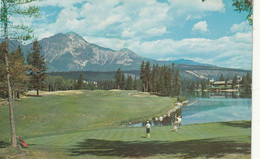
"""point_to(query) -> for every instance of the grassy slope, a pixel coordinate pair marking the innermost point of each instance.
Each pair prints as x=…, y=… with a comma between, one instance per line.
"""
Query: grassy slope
x=66, y=126
x=72, y=111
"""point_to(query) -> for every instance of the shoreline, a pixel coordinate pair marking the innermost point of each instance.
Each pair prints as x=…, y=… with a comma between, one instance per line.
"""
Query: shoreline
x=161, y=116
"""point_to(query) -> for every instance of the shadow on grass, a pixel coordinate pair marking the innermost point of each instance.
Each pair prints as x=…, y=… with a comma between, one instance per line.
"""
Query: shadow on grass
x=3, y=144
x=187, y=149
x=241, y=124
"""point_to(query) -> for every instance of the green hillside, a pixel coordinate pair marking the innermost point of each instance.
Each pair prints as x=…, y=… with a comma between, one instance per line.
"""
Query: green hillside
x=62, y=112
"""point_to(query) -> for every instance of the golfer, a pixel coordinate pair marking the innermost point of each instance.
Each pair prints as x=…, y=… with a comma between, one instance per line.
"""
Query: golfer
x=148, y=129
x=179, y=122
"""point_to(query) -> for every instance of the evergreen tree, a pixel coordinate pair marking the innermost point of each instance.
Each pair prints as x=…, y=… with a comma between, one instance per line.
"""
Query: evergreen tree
x=147, y=76
x=122, y=82
x=247, y=83
x=221, y=78
x=9, y=9
x=136, y=84
x=177, y=83
x=168, y=81
x=172, y=80
x=3, y=86
x=157, y=78
x=118, y=78
x=37, y=67
x=129, y=83
x=143, y=75
x=203, y=85
x=161, y=86
x=80, y=82
x=18, y=78
x=234, y=82
x=249, y=78
x=153, y=79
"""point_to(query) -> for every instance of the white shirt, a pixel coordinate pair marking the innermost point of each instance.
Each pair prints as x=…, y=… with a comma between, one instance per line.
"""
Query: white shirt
x=148, y=125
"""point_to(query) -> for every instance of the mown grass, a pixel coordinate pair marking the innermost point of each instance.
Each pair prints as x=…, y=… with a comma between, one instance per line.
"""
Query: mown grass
x=70, y=111
x=210, y=140
x=86, y=124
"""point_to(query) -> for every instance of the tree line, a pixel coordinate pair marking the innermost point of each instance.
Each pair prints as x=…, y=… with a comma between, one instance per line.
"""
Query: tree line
x=161, y=80
x=243, y=83
x=23, y=75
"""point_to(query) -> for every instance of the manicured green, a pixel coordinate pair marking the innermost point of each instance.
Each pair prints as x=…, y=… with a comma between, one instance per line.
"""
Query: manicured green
x=60, y=129
x=216, y=140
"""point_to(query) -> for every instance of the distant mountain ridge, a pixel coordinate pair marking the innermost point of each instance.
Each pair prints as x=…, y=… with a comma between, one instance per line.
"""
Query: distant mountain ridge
x=71, y=52
x=189, y=62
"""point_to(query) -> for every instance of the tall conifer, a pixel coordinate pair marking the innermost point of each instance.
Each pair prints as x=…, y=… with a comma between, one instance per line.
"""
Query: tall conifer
x=37, y=67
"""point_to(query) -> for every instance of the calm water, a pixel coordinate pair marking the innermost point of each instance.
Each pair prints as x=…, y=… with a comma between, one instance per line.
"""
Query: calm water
x=211, y=108
x=203, y=110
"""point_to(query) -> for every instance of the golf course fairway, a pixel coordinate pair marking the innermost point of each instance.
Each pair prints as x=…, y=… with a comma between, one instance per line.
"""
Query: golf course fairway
x=92, y=124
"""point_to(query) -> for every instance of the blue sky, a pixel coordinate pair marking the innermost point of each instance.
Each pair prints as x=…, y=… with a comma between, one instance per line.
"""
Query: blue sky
x=210, y=32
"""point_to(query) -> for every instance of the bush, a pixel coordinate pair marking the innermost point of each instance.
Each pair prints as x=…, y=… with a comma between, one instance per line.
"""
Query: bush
x=181, y=98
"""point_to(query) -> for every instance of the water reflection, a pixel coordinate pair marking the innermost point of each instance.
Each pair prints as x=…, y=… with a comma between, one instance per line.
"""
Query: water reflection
x=209, y=107
x=217, y=94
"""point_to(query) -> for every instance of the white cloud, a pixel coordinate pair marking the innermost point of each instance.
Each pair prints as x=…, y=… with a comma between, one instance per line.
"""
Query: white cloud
x=242, y=27
x=57, y=3
x=230, y=51
x=128, y=19
x=194, y=9
x=118, y=24
x=128, y=33
x=116, y=44
x=201, y=26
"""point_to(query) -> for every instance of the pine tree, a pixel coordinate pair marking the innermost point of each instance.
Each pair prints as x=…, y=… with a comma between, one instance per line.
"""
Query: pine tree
x=136, y=84
x=153, y=79
x=177, y=83
x=161, y=86
x=157, y=78
x=143, y=75
x=203, y=85
x=18, y=76
x=122, y=82
x=118, y=78
x=168, y=80
x=129, y=83
x=80, y=83
x=249, y=78
x=248, y=83
x=147, y=78
x=221, y=78
x=37, y=67
x=3, y=86
x=234, y=82
x=172, y=80
x=9, y=9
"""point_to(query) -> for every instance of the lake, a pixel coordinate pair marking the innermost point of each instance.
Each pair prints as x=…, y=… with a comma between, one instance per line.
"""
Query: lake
x=211, y=107
x=204, y=110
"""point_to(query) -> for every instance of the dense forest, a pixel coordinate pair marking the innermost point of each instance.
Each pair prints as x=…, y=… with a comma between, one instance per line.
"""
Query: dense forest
x=30, y=73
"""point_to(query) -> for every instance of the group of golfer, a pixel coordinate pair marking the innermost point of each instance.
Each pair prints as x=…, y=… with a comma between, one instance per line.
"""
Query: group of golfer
x=176, y=125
